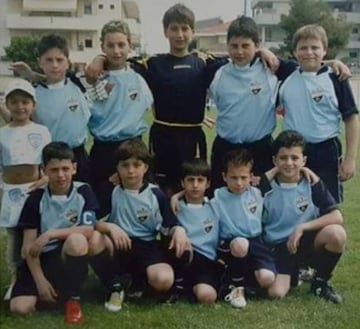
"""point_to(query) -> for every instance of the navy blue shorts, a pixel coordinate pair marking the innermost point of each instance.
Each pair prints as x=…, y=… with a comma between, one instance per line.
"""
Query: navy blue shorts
x=324, y=159
x=259, y=255
x=83, y=169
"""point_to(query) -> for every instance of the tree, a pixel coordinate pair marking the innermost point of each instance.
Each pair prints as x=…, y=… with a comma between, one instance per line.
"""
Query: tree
x=304, y=12
x=23, y=49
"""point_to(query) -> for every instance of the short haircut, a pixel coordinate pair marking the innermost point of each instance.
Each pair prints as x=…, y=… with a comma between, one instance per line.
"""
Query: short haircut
x=237, y=157
x=115, y=26
x=311, y=31
x=243, y=26
x=179, y=14
x=288, y=138
x=195, y=167
x=52, y=41
x=57, y=150
x=133, y=148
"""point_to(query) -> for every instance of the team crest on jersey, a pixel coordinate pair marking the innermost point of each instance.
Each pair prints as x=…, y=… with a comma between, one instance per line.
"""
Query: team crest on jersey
x=72, y=104
x=133, y=94
x=72, y=216
x=35, y=140
x=252, y=206
x=255, y=87
x=142, y=214
x=208, y=225
x=15, y=195
x=302, y=203
x=317, y=95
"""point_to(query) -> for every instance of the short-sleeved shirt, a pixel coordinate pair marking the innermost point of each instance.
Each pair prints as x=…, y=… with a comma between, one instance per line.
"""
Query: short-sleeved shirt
x=245, y=98
x=142, y=214
x=22, y=145
x=44, y=211
x=315, y=103
x=239, y=214
x=288, y=205
x=64, y=110
x=121, y=115
x=202, y=227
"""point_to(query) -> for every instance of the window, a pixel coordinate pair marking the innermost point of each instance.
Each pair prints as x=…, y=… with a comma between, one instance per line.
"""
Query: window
x=112, y=7
x=88, y=43
x=355, y=30
x=101, y=6
x=87, y=9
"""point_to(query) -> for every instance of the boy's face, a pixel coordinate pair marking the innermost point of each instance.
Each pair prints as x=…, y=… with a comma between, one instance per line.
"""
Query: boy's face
x=21, y=107
x=238, y=178
x=179, y=36
x=195, y=187
x=116, y=47
x=132, y=172
x=310, y=53
x=60, y=173
x=54, y=63
x=289, y=161
x=241, y=50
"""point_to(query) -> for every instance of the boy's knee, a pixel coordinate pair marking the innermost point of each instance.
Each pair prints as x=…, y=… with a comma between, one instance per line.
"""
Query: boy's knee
x=96, y=244
x=265, y=278
x=239, y=247
x=277, y=292
x=205, y=294
x=160, y=277
x=76, y=245
x=21, y=307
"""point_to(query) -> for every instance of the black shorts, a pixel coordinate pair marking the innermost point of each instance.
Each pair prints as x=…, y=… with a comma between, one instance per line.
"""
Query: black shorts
x=142, y=255
x=52, y=265
x=259, y=255
x=202, y=270
x=324, y=159
x=171, y=146
x=260, y=150
x=83, y=169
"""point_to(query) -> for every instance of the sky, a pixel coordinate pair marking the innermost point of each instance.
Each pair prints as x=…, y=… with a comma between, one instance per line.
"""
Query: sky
x=151, y=13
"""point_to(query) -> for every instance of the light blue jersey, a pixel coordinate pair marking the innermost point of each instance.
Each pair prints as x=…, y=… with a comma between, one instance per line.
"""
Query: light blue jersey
x=22, y=145
x=202, y=227
x=245, y=99
x=311, y=105
x=64, y=110
x=121, y=115
x=44, y=211
x=288, y=205
x=141, y=214
x=239, y=214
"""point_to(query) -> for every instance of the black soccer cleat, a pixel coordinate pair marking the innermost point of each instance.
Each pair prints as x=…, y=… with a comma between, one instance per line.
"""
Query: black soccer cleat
x=324, y=290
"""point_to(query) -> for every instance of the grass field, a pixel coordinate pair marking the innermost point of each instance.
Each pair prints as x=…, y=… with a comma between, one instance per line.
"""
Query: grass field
x=299, y=310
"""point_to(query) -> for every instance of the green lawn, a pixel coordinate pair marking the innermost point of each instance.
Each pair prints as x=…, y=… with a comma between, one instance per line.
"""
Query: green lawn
x=298, y=310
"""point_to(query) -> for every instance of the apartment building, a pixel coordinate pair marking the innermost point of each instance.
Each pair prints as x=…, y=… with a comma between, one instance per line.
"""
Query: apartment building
x=79, y=21
x=267, y=15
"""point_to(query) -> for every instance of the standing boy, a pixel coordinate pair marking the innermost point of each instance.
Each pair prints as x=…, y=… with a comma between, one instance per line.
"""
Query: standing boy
x=21, y=143
x=301, y=221
x=57, y=222
x=315, y=101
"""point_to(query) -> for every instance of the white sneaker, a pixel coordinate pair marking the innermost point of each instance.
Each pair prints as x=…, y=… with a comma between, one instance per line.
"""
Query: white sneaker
x=236, y=297
x=114, y=304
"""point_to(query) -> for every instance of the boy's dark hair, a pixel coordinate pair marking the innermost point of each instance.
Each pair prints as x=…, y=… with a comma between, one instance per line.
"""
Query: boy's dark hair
x=310, y=31
x=288, y=138
x=243, y=26
x=237, y=157
x=115, y=26
x=57, y=150
x=179, y=14
x=52, y=41
x=195, y=167
x=133, y=148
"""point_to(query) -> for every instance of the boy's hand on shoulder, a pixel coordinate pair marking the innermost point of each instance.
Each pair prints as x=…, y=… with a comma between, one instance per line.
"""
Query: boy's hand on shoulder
x=269, y=59
x=270, y=174
x=174, y=202
x=180, y=241
x=347, y=169
x=22, y=69
x=39, y=183
x=340, y=69
x=310, y=176
x=95, y=69
x=120, y=238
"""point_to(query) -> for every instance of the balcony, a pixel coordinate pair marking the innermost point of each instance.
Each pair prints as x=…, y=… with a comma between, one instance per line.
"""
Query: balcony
x=18, y=22
x=50, y=6
x=269, y=18
x=349, y=17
